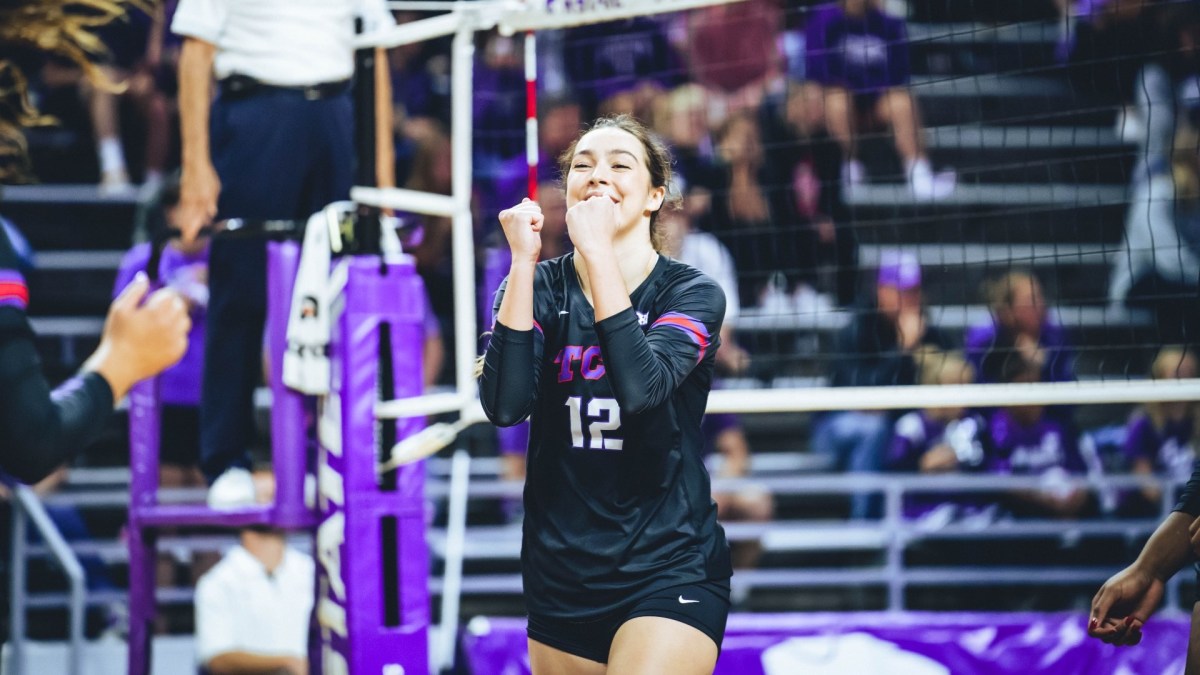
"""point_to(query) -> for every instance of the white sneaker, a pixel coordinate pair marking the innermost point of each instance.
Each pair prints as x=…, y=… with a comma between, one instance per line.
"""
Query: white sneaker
x=115, y=183
x=806, y=300
x=853, y=173
x=774, y=298
x=929, y=186
x=232, y=490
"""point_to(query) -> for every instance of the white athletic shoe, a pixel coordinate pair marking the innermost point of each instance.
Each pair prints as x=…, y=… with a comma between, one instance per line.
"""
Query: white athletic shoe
x=232, y=490
x=929, y=186
x=853, y=174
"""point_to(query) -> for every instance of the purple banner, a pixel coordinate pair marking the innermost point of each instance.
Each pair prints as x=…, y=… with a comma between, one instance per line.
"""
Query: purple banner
x=913, y=643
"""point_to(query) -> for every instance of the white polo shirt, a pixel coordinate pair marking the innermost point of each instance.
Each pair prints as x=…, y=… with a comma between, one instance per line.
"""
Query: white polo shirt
x=283, y=42
x=239, y=607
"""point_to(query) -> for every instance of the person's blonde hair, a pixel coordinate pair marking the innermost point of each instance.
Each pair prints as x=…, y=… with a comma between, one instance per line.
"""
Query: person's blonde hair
x=935, y=366
x=1167, y=365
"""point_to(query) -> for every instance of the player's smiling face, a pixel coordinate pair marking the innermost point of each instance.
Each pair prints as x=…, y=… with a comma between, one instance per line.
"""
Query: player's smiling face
x=611, y=163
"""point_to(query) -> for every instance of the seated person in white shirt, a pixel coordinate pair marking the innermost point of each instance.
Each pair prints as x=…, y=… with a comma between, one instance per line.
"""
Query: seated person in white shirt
x=254, y=607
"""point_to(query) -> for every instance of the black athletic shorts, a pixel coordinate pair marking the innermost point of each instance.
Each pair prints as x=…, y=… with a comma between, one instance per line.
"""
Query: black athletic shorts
x=703, y=606
x=179, y=435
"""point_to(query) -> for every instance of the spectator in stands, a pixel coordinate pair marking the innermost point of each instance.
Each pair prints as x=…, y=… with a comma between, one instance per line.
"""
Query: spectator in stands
x=1160, y=438
x=941, y=440
x=706, y=253
x=620, y=67
x=184, y=269
x=681, y=117
x=798, y=142
x=1026, y=440
x=135, y=50
x=859, y=56
x=1106, y=44
x=758, y=222
x=726, y=440
x=877, y=348
x=253, y=608
x=1019, y=328
x=273, y=89
x=737, y=72
x=1158, y=267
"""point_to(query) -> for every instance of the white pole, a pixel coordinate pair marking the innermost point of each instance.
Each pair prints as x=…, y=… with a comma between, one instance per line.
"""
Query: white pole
x=456, y=532
x=964, y=395
x=462, y=234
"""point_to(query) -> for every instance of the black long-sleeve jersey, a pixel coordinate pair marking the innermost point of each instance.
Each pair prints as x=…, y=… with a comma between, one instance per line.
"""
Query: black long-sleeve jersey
x=39, y=429
x=1189, y=497
x=617, y=499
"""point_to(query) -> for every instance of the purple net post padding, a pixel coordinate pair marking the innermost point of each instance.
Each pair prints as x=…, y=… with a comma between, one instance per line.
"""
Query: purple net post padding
x=289, y=446
x=144, y=439
x=372, y=604
x=913, y=643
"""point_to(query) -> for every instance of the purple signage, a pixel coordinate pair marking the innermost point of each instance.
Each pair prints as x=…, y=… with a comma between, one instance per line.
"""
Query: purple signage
x=913, y=643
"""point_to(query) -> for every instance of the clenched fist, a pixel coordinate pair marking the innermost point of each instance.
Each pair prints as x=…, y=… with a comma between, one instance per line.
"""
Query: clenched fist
x=139, y=339
x=593, y=224
x=522, y=227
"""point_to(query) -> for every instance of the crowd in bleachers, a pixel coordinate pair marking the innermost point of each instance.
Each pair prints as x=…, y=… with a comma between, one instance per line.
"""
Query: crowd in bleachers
x=771, y=133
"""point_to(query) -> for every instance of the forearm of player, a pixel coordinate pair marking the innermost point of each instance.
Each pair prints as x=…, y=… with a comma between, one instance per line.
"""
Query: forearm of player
x=1169, y=548
x=508, y=384
x=609, y=295
x=516, y=307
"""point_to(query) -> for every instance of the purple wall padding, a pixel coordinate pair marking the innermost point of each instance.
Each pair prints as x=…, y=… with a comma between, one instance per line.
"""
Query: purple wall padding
x=349, y=538
x=913, y=643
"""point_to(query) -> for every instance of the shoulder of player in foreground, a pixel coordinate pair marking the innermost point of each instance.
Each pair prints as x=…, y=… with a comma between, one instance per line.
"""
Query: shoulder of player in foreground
x=683, y=276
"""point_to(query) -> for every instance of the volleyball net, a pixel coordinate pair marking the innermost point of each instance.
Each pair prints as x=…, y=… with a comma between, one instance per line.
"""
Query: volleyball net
x=1021, y=176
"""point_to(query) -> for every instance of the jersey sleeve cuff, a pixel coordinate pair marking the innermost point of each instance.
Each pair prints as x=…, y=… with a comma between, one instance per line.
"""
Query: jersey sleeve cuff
x=513, y=336
x=613, y=324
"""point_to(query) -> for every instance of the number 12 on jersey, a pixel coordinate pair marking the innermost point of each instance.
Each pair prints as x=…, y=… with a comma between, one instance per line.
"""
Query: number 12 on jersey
x=604, y=416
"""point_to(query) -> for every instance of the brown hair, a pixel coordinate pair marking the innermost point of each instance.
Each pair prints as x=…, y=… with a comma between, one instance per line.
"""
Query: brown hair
x=658, y=162
x=999, y=292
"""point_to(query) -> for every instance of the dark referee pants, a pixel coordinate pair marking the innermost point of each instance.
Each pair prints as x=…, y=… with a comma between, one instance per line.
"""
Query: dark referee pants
x=279, y=155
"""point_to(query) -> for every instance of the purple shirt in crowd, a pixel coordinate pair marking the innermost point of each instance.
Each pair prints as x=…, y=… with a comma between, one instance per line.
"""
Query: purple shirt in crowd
x=865, y=54
x=187, y=274
x=1031, y=450
x=915, y=434
x=980, y=340
x=1169, y=450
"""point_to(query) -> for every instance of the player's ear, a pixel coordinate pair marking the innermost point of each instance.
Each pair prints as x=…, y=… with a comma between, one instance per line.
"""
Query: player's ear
x=654, y=200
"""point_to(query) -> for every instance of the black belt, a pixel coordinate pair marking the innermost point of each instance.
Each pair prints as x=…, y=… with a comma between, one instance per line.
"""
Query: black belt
x=242, y=86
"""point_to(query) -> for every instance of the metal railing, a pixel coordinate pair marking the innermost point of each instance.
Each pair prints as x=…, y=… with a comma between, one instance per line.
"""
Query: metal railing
x=26, y=507
x=890, y=536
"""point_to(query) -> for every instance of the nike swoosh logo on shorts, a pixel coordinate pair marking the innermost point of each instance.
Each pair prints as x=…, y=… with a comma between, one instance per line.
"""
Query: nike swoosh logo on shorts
x=685, y=601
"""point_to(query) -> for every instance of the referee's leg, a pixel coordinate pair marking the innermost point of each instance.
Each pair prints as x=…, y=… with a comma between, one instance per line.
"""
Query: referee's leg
x=262, y=166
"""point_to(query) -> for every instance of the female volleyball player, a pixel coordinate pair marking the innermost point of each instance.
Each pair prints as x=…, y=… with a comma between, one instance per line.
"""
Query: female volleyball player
x=1124, y=603
x=610, y=350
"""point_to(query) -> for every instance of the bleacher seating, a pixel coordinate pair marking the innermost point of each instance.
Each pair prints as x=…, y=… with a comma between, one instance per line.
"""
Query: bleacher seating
x=1026, y=197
